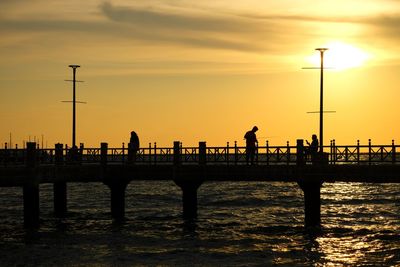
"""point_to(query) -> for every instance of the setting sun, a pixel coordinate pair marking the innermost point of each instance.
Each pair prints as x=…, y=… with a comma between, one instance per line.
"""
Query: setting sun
x=341, y=56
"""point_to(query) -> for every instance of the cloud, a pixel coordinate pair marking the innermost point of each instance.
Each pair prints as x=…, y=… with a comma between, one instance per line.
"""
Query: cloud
x=163, y=20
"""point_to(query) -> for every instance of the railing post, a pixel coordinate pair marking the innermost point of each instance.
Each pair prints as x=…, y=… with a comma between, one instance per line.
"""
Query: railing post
x=202, y=153
x=103, y=153
x=58, y=155
x=267, y=152
x=334, y=150
x=278, y=154
x=288, y=152
x=369, y=151
x=155, y=153
x=149, y=156
x=300, y=152
x=358, y=151
x=6, y=154
x=81, y=148
x=123, y=152
x=236, y=153
x=346, y=154
x=177, y=153
x=227, y=153
x=256, y=152
x=31, y=189
x=393, y=152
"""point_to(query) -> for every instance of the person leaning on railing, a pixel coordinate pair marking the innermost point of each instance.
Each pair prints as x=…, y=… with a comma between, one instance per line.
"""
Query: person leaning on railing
x=251, y=140
x=133, y=147
x=312, y=148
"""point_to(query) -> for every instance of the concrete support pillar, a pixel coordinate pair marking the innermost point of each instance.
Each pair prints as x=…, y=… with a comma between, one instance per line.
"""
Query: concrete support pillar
x=312, y=203
x=189, y=198
x=118, y=199
x=31, y=205
x=189, y=187
x=311, y=189
x=60, y=199
x=31, y=190
x=59, y=188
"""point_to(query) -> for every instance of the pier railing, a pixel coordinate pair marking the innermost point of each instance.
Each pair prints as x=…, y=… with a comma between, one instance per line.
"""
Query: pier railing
x=231, y=155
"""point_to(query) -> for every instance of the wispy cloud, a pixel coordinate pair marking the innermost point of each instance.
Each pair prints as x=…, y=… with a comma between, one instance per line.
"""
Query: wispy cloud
x=218, y=31
x=163, y=20
x=210, y=29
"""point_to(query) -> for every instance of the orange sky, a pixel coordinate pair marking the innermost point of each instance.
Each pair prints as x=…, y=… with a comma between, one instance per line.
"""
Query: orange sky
x=198, y=70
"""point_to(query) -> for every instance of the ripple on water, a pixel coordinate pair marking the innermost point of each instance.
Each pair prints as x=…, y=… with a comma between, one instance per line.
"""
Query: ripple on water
x=240, y=224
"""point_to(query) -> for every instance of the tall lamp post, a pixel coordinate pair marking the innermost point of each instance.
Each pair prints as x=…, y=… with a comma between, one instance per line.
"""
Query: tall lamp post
x=74, y=81
x=74, y=67
x=321, y=101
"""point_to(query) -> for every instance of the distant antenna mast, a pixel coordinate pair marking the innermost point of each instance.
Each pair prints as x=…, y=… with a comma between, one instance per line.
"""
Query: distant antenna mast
x=74, y=81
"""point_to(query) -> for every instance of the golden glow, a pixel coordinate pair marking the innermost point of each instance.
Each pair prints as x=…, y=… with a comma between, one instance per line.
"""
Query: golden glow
x=340, y=56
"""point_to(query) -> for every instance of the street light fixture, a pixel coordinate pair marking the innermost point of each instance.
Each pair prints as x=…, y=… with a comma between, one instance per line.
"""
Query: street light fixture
x=321, y=101
x=74, y=81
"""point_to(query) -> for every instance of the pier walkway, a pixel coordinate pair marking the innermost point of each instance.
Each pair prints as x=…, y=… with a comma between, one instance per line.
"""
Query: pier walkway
x=189, y=167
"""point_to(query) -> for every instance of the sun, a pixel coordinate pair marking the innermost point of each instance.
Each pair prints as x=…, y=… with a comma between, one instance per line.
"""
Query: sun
x=340, y=56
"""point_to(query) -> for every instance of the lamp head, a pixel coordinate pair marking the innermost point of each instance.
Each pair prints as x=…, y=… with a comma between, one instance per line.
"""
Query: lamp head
x=321, y=49
x=74, y=66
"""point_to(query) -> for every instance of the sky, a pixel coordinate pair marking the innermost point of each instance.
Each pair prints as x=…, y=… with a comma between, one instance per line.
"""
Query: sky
x=190, y=71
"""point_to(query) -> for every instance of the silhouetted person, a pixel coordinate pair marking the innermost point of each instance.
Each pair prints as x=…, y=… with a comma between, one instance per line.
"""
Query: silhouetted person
x=133, y=147
x=312, y=148
x=251, y=140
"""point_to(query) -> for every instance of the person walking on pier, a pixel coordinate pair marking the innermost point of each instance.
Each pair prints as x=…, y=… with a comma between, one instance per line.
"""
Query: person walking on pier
x=251, y=140
x=133, y=147
x=312, y=148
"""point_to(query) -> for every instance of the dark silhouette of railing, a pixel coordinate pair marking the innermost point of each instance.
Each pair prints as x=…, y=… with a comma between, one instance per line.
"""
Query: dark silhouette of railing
x=230, y=155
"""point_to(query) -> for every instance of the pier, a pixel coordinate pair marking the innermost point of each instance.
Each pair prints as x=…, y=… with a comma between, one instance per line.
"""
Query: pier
x=189, y=168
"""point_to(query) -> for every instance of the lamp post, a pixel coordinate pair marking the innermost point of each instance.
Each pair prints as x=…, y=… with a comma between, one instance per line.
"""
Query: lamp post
x=321, y=101
x=74, y=81
x=74, y=67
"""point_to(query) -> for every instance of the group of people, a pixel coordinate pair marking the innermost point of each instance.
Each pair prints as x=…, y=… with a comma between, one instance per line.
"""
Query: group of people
x=251, y=147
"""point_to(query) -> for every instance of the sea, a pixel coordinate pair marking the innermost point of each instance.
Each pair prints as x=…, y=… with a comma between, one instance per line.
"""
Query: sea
x=238, y=224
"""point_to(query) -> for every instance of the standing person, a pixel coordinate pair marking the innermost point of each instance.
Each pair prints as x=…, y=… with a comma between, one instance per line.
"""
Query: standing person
x=133, y=146
x=251, y=140
x=312, y=148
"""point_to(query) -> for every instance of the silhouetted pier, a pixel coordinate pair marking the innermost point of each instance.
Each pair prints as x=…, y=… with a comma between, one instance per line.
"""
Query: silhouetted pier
x=189, y=167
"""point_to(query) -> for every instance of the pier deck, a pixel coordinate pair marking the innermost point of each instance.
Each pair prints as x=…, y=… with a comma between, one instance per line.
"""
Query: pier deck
x=189, y=168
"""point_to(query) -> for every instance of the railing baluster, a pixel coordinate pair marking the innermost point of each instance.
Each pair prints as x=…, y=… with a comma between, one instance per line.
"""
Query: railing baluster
x=149, y=155
x=236, y=153
x=369, y=151
x=334, y=150
x=123, y=152
x=358, y=151
x=393, y=152
x=155, y=153
x=227, y=153
x=267, y=154
x=288, y=152
x=277, y=155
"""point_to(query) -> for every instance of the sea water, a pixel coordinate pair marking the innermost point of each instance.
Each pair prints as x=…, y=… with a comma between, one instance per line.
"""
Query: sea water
x=238, y=224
